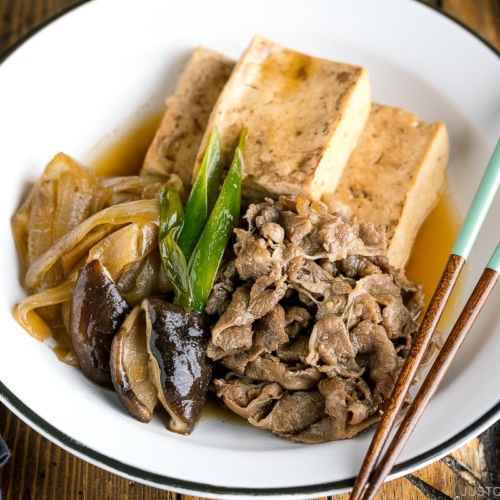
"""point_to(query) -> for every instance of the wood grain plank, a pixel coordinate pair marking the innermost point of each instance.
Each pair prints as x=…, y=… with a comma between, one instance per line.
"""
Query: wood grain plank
x=482, y=16
x=38, y=469
x=17, y=18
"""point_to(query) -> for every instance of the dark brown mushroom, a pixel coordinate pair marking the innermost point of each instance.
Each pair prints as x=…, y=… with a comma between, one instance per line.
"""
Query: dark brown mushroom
x=97, y=312
x=177, y=343
x=129, y=367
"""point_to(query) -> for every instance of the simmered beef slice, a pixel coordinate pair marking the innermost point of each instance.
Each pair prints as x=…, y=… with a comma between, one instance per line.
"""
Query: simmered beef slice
x=247, y=398
x=289, y=377
x=269, y=334
x=310, y=323
x=329, y=429
x=294, y=412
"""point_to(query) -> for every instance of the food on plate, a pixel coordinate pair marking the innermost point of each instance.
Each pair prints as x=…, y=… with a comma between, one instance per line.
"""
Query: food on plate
x=293, y=296
x=191, y=245
x=71, y=215
x=408, y=157
x=396, y=148
x=129, y=364
x=97, y=311
x=120, y=250
x=305, y=114
x=176, y=342
x=313, y=324
x=176, y=142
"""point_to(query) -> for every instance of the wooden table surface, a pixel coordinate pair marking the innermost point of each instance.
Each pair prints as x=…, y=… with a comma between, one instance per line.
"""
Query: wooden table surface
x=40, y=470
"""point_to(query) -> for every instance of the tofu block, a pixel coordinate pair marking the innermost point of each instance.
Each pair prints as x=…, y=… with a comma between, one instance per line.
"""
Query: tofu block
x=304, y=116
x=178, y=138
x=394, y=176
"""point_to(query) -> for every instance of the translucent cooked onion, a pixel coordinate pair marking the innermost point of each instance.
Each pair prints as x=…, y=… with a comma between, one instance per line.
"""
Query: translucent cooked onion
x=125, y=247
x=142, y=211
x=25, y=314
x=144, y=279
x=124, y=189
x=64, y=196
x=71, y=217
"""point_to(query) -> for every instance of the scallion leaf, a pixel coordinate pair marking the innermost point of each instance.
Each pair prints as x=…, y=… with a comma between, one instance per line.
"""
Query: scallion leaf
x=203, y=195
x=173, y=259
x=212, y=243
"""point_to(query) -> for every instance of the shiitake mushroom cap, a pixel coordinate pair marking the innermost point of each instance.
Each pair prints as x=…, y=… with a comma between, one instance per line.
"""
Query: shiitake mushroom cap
x=177, y=343
x=97, y=311
x=130, y=367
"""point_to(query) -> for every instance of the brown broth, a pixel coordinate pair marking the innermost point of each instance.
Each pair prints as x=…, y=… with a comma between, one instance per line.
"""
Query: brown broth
x=215, y=409
x=430, y=253
x=123, y=152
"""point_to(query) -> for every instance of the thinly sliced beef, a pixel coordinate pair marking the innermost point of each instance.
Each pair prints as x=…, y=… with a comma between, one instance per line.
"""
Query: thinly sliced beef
x=270, y=330
x=246, y=398
x=377, y=354
x=339, y=239
x=238, y=362
x=254, y=258
x=293, y=412
x=374, y=240
x=233, y=330
x=292, y=378
x=265, y=295
x=357, y=265
x=224, y=287
x=330, y=348
x=259, y=214
x=310, y=324
x=296, y=320
x=346, y=399
x=296, y=226
x=329, y=429
x=294, y=351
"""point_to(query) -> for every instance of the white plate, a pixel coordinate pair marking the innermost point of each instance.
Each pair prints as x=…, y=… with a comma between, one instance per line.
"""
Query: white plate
x=106, y=61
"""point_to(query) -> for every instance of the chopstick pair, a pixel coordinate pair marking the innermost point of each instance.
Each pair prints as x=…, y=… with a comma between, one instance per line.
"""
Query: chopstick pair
x=368, y=481
x=465, y=321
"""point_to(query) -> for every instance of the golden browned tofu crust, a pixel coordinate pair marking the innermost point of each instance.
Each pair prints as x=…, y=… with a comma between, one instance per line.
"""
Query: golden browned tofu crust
x=304, y=116
x=394, y=176
x=178, y=138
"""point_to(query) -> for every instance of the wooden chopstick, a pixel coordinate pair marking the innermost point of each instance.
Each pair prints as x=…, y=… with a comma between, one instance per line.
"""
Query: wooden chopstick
x=459, y=332
x=460, y=252
x=409, y=371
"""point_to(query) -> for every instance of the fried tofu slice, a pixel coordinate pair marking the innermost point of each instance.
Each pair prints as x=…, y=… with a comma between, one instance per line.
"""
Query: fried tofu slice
x=304, y=116
x=394, y=176
x=178, y=138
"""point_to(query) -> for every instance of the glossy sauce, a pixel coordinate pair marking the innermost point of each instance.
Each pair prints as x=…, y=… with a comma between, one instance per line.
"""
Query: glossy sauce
x=215, y=409
x=124, y=152
x=430, y=253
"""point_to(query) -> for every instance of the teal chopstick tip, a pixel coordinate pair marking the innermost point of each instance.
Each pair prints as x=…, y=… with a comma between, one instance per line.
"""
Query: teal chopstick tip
x=479, y=207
